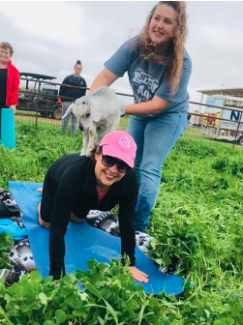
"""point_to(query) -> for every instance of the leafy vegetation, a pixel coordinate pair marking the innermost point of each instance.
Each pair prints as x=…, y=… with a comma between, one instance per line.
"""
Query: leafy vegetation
x=5, y=243
x=110, y=298
x=36, y=149
x=197, y=220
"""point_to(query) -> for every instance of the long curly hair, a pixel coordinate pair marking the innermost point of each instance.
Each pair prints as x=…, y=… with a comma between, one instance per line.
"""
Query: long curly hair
x=173, y=58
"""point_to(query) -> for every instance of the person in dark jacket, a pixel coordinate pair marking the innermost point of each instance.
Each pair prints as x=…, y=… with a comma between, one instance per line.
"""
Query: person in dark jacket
x=72, y=94
x=9, y=79
x=76, y=184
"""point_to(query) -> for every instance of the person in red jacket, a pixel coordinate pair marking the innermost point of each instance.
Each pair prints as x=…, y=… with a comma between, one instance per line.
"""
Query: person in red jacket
x=9, y=79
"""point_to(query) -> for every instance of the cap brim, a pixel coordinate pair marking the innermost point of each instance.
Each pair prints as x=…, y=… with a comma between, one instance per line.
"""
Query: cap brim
x=118, y=153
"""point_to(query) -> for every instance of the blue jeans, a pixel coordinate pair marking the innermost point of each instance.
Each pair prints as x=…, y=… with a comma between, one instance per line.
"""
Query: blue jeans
x=65, y=121
x=155, y=137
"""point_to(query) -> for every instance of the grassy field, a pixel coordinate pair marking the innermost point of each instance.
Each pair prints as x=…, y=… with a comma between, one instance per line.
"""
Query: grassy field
x=197, y=219
x=191, y=132
x=28, y=116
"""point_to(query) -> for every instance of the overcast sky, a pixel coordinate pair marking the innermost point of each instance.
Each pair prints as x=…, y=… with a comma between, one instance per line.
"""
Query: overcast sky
x=48, y=38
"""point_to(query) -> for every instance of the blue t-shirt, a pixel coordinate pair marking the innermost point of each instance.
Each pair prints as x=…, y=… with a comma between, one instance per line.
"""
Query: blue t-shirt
x=147, y=78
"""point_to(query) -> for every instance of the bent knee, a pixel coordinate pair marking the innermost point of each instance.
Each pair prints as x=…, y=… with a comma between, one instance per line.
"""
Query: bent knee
x=44, y=224
x=75, y=219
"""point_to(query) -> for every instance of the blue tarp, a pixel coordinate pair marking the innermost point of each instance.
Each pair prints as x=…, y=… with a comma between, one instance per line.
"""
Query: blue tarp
x=82, y=243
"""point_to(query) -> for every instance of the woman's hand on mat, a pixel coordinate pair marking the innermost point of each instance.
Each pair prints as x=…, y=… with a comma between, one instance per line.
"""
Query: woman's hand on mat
x=13, y=107
x=139, y=275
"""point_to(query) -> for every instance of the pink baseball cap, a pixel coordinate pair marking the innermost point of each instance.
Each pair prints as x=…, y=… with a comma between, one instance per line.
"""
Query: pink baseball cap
x=120, y=145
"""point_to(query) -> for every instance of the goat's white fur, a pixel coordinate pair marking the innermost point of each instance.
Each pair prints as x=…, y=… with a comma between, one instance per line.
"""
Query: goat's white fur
x=104, y=110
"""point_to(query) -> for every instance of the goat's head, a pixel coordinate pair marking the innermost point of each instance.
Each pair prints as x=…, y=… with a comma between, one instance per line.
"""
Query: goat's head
x=85, y=111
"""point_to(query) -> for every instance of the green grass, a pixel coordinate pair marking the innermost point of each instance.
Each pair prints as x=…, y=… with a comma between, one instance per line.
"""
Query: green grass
x=197, y=218
x=36, y=149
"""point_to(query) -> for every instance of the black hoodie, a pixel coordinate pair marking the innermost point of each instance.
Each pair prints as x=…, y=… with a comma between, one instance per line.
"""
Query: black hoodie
x=70, y=186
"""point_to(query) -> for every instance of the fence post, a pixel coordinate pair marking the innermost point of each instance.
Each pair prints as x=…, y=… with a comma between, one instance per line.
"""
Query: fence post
x=238, y=127
x=37, y=102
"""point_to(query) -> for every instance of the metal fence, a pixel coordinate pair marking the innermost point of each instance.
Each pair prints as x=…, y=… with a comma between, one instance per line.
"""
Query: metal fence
x=41, y=104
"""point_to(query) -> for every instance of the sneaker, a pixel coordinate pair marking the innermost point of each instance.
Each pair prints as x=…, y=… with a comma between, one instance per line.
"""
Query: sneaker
x=8, y=206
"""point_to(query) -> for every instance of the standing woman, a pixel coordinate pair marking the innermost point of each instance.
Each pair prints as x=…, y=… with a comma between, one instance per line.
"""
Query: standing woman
x=74, y=93
x=159, y=70
x=9, y=79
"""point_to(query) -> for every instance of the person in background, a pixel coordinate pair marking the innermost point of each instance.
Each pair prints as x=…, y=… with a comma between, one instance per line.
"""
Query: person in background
x=74, y=79
x=159, y=70
x=9, y=79
x=76, y=184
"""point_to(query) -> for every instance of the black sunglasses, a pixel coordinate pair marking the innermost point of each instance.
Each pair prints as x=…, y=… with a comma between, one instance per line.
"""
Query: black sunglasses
x=109, y=161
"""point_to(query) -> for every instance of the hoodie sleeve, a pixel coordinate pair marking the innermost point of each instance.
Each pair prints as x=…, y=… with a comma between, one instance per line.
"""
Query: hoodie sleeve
x=14, y=91
x=127, y=206
x=62, y=89
x=63, y=205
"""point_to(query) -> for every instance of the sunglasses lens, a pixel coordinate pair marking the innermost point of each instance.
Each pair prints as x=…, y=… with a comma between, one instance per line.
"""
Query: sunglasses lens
x=109, y=161
x=122, y=167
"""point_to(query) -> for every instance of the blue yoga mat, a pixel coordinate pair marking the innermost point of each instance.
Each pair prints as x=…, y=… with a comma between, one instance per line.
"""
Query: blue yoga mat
x=82, y=243
x=7, y=128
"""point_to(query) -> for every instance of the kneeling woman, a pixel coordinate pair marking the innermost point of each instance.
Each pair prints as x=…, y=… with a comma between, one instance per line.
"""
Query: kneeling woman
x=76, y=184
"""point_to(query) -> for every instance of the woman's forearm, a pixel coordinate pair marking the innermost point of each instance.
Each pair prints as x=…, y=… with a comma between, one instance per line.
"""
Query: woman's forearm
x=99, y=81
x=105, y=78
x=153, y=106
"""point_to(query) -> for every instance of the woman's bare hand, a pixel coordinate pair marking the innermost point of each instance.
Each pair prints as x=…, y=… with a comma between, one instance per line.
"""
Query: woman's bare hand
x=138, y=275
x=13, y=107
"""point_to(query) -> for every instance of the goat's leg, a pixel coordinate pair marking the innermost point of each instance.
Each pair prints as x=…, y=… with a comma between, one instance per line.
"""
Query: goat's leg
x=85, y=142
x=113, y=127
x=100, y=134
x=92, y=135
